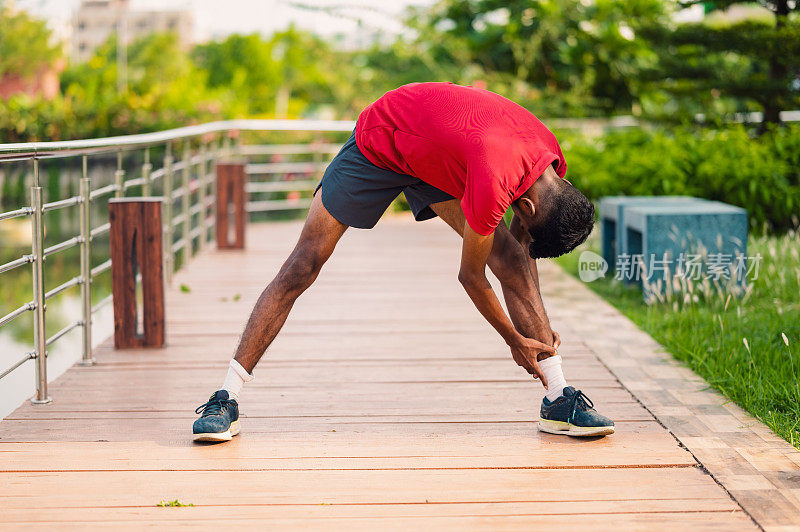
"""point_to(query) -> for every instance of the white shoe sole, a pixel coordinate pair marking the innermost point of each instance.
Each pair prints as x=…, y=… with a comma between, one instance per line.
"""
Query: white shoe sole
x=561, y=427
x=219, y=436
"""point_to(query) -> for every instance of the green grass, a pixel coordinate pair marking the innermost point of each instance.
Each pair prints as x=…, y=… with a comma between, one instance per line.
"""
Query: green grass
x=172, y=504
x=747, y=347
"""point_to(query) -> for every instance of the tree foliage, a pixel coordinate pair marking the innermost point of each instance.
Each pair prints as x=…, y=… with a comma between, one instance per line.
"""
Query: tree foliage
x=570, y=56
x=290, y=70
x=718, y=66
x=25, y=43
x=164, y=89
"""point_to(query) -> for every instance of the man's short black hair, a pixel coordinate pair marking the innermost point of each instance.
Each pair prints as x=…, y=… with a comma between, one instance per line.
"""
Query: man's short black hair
x=567, y=221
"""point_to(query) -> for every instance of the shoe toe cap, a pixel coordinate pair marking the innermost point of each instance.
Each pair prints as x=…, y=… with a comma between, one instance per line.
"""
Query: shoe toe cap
x=593, y=419
x=210, y=425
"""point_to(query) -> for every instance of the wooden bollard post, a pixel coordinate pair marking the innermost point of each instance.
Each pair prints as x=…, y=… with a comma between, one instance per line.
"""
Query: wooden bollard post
x=136, y=248
x=231, y=197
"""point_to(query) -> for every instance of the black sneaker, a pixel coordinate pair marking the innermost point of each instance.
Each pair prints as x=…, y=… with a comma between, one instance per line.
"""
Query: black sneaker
x=219, y=420
x=573, y=414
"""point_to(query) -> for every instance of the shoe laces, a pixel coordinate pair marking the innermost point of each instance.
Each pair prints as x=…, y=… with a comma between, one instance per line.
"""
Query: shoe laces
x=578, y=401
x=214, y=406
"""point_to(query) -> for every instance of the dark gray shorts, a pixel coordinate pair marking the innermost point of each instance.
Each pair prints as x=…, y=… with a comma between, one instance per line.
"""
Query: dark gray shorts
x=356, y=192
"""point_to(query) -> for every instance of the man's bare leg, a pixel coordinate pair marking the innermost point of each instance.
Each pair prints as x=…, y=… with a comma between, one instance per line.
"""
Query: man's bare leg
x=318, y=239
x=219, y=420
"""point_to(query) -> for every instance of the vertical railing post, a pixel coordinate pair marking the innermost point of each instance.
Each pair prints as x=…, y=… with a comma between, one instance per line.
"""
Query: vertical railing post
x=119, y=176
x=202, y=180
x=316, y=157
x=219, y=154
x=39, y=331
x=226, y=144
x=86, y=265
x=146, y=170
x=237, y=143
x=210, y=173
x=169, y=258
x=185, y=203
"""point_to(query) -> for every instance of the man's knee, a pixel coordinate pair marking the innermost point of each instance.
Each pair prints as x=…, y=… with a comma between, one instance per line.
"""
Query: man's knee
x=302, y=268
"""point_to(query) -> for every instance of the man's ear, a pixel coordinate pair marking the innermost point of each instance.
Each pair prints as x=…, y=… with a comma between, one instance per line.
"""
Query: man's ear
x=527, y=206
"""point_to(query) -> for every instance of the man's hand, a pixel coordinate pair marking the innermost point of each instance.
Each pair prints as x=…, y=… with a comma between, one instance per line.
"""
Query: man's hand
x=526, y=352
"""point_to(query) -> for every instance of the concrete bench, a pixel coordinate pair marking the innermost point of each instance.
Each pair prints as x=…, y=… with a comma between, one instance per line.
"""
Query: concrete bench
x=612, y=220
x=663, y=233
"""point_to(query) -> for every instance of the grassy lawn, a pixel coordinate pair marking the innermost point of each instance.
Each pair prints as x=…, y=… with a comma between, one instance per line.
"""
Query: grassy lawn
x=738, y=344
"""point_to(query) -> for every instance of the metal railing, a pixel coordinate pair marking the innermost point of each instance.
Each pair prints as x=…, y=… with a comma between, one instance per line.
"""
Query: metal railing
x=186, y=186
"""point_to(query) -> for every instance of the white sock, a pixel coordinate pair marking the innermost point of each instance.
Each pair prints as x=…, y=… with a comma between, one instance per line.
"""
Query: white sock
x=235, y=379
x=551, y=367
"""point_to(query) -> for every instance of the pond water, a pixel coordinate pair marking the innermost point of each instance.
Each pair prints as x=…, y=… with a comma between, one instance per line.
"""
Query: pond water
x=19, y=386
x=16, y=288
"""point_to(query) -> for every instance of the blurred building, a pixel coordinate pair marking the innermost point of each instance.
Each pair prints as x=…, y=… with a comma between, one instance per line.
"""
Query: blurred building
x=96, y=20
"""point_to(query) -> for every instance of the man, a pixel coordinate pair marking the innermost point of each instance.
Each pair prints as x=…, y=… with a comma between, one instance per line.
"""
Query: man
x=465, y=155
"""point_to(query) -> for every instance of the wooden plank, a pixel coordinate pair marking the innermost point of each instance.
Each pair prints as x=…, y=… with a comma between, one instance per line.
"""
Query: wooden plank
x=146, y=488
x=595, y=515
x=316, y=372
x=700, y=521
x=297, y=407
x=176, y=431
x=644, y=445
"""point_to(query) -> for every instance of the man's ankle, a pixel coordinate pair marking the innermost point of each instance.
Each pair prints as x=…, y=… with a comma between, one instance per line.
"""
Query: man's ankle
x=235, y=379
x=551, y=367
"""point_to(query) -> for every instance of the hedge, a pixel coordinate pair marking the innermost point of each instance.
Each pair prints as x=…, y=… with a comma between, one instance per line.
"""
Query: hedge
x=761, y=174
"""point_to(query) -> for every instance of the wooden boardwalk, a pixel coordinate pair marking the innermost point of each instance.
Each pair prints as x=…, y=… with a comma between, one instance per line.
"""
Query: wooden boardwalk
x=386, y=403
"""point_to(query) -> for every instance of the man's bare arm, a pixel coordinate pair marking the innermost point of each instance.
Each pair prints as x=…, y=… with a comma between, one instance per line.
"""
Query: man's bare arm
x=524, y=239
x=472, y=275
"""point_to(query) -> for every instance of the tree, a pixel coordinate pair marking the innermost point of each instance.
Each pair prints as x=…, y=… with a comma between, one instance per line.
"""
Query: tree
x=382, y=67
x=571, y=55
x=728, y=65
x=243, y=66
x=25, y=43
x=165, y=89
x=287, y=73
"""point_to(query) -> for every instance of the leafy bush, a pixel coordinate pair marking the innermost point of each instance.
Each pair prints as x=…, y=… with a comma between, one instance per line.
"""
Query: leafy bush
x=759, y=174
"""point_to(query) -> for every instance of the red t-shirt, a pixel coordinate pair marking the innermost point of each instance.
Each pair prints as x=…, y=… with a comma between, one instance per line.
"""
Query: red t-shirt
x=471, y=143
